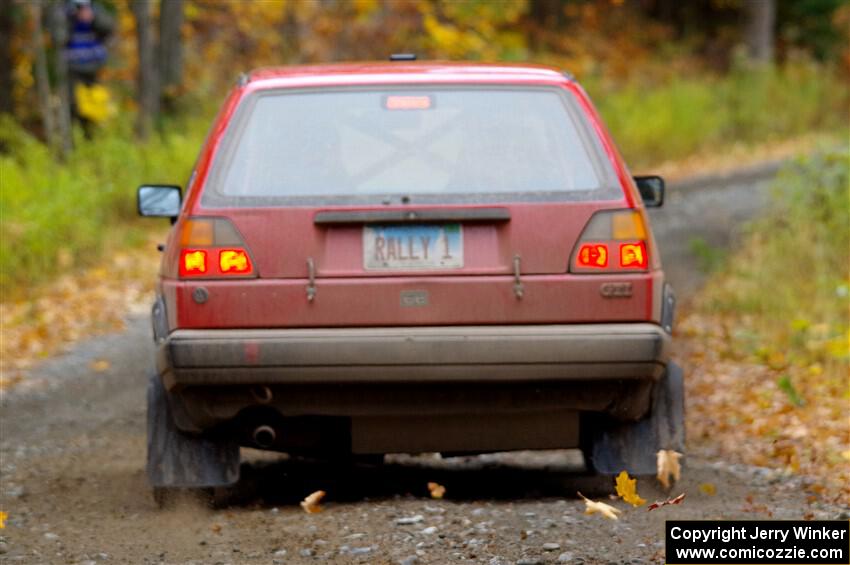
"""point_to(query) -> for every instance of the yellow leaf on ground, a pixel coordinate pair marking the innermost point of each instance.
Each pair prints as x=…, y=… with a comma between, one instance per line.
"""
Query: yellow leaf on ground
x=3, y=517
x=708, y=489
x=100, y=365
x=667, y=462
x=436, y=490
x=311, y=503
x=627, y=489
x=606, y=510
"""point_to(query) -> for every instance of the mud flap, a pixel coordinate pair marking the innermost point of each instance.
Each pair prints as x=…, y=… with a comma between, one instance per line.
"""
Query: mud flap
x=633, y=446
x=181, y=460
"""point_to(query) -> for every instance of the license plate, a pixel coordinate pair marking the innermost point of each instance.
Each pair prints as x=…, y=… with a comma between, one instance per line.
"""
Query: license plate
x=401, y=247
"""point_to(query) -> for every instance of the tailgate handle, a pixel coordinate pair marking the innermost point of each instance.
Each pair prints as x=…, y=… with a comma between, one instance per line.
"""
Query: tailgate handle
x=311, y=279
x=401, y=216
x=519, y=288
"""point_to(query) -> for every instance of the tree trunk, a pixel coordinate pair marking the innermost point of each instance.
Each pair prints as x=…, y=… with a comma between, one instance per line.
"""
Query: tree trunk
x=761, y=19
x=170, y=49
x=290, y=34
x=547, y=14
x=59, y=32
x=147, y=85
x=42, y=82
x=7, y=103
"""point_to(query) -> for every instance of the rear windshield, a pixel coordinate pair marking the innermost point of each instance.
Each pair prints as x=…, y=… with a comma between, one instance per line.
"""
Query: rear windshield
x=348, y=146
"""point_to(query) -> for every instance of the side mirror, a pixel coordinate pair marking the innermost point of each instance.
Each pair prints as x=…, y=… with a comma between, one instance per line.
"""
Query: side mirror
x=651, y=189
x=159, y=201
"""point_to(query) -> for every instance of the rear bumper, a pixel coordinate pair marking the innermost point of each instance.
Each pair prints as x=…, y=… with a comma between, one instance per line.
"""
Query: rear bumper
x=412, y=389
x=451, y=354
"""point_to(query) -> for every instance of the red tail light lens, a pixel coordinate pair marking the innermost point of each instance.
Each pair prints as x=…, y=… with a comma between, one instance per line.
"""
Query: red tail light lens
x=593, y=255
x=234, y=261
x=633, y=255
x=612, y=241
x=212, y=248
x=193, y=262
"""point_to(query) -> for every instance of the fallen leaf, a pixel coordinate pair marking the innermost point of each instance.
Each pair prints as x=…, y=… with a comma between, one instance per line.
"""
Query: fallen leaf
x=436, y=490
x=667, y=462
x=100, y=365
x=667, y=502
x=70, y=308
x=3, y=517
x=311, y=503
x=776, y=360
x=216, y=528
x=627, y=489
x=708, y=489
x=606, y=510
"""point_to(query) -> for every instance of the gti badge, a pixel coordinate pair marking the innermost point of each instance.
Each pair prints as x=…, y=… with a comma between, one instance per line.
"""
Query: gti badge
x=414, y=298
x=616, y=290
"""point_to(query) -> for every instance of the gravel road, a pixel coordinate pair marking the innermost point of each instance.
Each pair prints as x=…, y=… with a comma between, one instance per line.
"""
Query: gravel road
x=72, y=448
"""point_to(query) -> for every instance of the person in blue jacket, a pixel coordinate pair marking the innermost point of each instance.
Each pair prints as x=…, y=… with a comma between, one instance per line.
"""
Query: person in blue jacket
x=89, y=29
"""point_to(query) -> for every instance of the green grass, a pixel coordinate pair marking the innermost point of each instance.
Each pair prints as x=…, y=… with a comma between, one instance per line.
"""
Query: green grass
x=788, y=285
x=653, y=123
x=709, y=258
x=59, y=216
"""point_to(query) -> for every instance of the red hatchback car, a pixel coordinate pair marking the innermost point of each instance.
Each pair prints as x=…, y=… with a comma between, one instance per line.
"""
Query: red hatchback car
x=409, y=257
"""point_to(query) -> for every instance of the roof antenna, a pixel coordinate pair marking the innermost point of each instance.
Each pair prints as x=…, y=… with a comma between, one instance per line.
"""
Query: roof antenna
x=403, y=57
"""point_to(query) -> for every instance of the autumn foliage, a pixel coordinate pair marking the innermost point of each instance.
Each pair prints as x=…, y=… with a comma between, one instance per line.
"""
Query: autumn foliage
x=767, y=343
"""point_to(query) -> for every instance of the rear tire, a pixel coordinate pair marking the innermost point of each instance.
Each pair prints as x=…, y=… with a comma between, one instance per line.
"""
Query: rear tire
x=215, y=497
x=370, y=460
x=164, y=497
x=176, y=460
x=610, y=447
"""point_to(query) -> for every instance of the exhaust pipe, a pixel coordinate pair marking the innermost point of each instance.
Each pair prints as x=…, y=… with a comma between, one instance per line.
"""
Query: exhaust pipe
x=264, y=436
x=262, y=394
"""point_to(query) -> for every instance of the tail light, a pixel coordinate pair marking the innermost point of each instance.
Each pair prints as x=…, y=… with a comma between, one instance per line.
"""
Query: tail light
x=234, y=261
x=193, y=262
x=613, y=241
x=211, y=248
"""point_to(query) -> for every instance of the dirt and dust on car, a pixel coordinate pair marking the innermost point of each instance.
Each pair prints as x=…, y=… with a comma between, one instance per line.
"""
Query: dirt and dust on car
x=415, y=276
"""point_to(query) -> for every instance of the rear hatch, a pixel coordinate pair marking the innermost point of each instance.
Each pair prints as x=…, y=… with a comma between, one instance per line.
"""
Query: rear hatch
x=408, y=206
